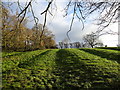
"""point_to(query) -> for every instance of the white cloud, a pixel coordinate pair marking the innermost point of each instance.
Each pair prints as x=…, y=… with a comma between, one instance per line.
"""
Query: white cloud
x=111, y=40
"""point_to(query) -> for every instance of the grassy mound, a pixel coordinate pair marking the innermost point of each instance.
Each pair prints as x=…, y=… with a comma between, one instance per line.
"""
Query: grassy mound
x=59, y=69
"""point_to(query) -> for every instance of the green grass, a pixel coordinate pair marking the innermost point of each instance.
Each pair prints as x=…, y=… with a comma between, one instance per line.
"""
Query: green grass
x=104, y=53
x=59, y=69
x=87, y=68
x=9, y=54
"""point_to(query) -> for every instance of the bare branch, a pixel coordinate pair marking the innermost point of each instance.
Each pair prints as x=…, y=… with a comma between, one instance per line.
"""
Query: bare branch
x=80, y=20
x=67, y=7
x=20, y=7
x=97, y=7
x=35, y=18
x=50, y=13
x=47, y=7
x=25, y=9
x=23, y=17
x=71, y=21
x=45, y=17
x=79, y=7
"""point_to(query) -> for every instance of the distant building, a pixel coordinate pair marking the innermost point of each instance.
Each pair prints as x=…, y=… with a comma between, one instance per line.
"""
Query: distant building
x=62, y=45
x=29, y=42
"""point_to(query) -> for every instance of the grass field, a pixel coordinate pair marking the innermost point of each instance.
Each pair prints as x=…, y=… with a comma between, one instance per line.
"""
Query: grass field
x=56, y=69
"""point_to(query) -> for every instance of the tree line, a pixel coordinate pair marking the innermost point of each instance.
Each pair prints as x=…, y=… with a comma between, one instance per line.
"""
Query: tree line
x=21, y=38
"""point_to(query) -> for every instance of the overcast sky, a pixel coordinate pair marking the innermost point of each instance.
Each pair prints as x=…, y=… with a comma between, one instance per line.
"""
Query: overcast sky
x=59, y=25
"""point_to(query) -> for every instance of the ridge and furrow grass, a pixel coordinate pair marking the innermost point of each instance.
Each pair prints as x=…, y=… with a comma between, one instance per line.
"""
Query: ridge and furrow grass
x=59, y=69
x=10, y=69
x=79, y=69
x=108, y=54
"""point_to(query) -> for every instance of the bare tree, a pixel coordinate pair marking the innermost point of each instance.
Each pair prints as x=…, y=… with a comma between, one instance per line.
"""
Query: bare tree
x=92, y=40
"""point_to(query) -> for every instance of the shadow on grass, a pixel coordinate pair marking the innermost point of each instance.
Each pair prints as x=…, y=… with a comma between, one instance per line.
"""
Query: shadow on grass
x=32, y=61
x=73, y=72
x=15, y=54
x=109, y=56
